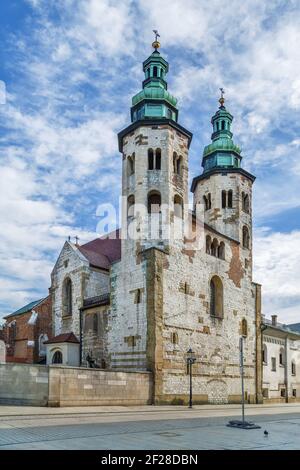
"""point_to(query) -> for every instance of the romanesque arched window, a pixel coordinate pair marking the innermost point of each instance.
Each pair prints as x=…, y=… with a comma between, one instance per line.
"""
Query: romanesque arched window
x=245, y=202
x=154, y=202
x=67, y=297
x=244, y=327
x=130, y=206
x=157, y=159
x=223, y=199
x=208, y=244
x=246, y=237
x=221, y=250
x=229, y=199
x=178, y=206
x=131, y=165
x=95, y=323
x=216, y=297
x=223, y=125
x=214, y=247
x=293, y=367
x=150, y=159
x=155, y=71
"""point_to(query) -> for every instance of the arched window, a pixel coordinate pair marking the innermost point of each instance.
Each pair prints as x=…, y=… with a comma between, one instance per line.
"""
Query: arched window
x=157, y=159
x=154, y=202
x=209, y=200
x=155, y=71
x=265, y=354
x=216, y=297
x=223, y=199
x=57, y=357
x=95, y=323
x=131, y=165
x=174, y=337
x=245, y=202
x=150, y=159
x=42, y=346
x=246, y=237
x=229, y=199
x=214, y=247
x=178, y=206
x=67, y=297
x=221, y=250
x=281, y=357
x=205, y=200
x=223, y=125
x=148, y=73
x=169, y=114
x=130, y=206
x=293, y=367
x=208, y=244
x=244, y=327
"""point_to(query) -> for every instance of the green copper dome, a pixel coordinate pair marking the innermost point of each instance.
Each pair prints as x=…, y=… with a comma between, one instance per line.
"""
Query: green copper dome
x=154, y=101
x=222, y=152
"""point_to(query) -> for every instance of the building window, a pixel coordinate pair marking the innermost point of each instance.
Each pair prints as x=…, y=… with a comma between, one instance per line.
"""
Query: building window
x=67, y=297
x=214, y=247
x=95, y=323
x=150, y=159
x=216, y=297
x=208, y=244
x=177, y=164
x=154, y=71
x=273, y=362
x=207, y=201
x=157, y=159
x=131, y=165
x=281, y=357
x=42, y=346
x=245, y=202
x=221, y=250
x=282, y=392
x=130, y=206
x=223, y=199
x=57, y=357
x=244, y=327
x=229, y=199
x=154, y=202
x=174, y=338
x=138, y=296
x=246, y=237
x=178, y=206
x=293, y=368
x=294, y=392
x=265, y=354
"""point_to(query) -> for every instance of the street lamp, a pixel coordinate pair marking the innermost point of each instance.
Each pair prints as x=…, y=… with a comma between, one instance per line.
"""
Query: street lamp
x=237, y=423
x=191, y=359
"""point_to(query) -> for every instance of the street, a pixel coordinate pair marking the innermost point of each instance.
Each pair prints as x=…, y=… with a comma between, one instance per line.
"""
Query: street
x=148, y=428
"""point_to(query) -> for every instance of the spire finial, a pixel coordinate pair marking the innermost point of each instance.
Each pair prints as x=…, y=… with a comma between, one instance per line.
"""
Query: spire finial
x=156, y=43
x=222, y=99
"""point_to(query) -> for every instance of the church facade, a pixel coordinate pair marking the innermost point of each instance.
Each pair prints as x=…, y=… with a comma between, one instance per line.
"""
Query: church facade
x=140, y=298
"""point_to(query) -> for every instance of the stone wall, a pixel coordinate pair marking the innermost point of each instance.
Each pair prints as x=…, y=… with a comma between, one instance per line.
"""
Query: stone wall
x=88, y=387
x=23, y=384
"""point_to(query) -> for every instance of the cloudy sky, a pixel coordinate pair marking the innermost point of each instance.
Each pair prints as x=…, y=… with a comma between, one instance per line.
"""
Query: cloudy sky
x=70, y=68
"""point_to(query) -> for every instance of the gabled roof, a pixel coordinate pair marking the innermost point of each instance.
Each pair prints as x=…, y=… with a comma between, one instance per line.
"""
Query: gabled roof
x=102, y=252
x=25, y=309
x=294, y=327
x=63, y=338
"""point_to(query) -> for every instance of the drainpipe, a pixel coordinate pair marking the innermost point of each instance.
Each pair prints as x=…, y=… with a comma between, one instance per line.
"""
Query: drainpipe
x=286, y=372
x=263, y=327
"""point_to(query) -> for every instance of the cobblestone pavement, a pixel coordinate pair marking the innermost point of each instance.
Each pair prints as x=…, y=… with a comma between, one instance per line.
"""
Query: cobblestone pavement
x=169, y=428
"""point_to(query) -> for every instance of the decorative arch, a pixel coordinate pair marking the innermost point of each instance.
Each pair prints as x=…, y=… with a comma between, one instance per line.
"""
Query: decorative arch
x=216, y=297
x=57, y=357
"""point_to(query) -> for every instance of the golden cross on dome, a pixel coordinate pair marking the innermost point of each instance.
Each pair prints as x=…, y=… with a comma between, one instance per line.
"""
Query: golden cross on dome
x=156, y=43
x=222, y=99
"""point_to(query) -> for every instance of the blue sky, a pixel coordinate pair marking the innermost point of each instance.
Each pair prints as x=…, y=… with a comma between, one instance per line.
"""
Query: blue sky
x=70, y=70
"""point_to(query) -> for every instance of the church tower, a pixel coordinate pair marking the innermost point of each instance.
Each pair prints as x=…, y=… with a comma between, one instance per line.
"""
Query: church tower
x=225, y=188
x=155, y=160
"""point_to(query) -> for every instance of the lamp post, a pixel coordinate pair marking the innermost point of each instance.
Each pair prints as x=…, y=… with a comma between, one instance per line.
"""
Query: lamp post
x=237, y=423
x=191, y=359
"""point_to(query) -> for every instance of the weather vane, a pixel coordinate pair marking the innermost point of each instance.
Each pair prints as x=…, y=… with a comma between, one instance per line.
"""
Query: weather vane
x=156, y=43
x=222, y=99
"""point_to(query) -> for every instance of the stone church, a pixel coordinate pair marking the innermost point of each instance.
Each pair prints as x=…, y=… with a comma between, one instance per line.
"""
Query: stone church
x=140, y=298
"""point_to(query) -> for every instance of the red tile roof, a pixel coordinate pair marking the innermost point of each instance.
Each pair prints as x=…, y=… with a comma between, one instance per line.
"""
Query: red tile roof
x=63, y=338
x=103, y=251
